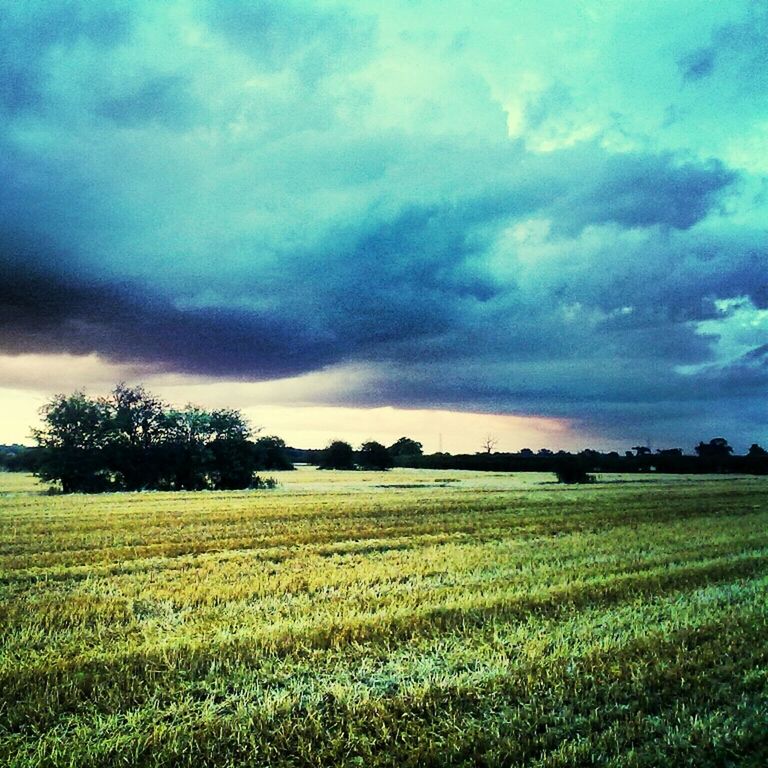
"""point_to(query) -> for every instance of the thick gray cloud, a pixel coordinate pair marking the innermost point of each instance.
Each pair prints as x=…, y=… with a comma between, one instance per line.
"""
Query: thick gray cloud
x=259, y=190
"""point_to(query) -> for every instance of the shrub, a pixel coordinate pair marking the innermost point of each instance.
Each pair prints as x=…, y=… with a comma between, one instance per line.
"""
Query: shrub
x=570, y=470
x=261, y=484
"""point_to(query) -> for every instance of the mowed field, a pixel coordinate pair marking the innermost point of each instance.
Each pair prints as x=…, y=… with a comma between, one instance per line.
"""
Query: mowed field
x=408, y=618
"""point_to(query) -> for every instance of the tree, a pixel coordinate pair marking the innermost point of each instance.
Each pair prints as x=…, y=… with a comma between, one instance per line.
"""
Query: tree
x=490, y=443
x=717, y=447
x=338, y=455
x=374, y=455
x=271, y=453
x=229, y=424
x=137, y=415
x=233, y=459
x=756, y=450
x=138, y=428
x=405, y=446
x=73, y=439
x=18, y=458
x=184, y=455
x=130, y=440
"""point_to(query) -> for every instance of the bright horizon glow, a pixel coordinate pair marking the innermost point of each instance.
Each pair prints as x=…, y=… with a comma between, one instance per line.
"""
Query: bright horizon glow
x=308, y=411
x=450, y=431
x=313, y=426
x=283, y=407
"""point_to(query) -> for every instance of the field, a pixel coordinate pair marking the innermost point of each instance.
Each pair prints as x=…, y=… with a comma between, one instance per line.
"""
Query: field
x=409, y=618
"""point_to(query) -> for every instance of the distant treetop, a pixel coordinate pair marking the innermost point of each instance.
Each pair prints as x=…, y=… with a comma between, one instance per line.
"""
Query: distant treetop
x=373, y=455
x=717, y=446
x=338, y=455
x=405, y=446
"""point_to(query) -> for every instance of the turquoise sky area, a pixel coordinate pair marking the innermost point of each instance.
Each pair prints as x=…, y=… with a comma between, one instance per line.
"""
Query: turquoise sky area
x=553, y=213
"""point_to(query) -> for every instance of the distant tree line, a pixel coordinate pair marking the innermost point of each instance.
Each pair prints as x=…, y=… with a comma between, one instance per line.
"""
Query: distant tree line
x=710, y=457
x=131, y=440
x=370, y=456
x=713, y=456
x=16, y=458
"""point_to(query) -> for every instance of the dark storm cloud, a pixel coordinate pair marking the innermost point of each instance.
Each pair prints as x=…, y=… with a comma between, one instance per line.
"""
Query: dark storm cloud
x=640, y=191
x=408, y=287
x=749, y=373
x=665, y=278
x=45, y=313
x=349, y=302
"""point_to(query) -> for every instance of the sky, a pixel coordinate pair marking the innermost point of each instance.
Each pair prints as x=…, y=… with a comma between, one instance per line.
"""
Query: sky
x=545, y=221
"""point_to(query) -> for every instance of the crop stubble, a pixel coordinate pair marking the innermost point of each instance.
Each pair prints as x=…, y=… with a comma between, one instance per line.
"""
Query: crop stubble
x=474, y=622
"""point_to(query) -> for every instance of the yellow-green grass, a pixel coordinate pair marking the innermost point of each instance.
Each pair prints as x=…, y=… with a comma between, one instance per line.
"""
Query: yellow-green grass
x=18, y=482
x=402, y=618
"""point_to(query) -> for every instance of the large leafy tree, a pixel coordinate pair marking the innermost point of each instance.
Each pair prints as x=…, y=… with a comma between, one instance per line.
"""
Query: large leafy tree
x=232, y=457
x=138, y=429
x=185, y=452
x=132, y=440
x=75, y=433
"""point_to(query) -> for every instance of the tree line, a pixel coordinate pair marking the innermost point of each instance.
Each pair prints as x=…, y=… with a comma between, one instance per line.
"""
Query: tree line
x=131, y=440
x=713, y=456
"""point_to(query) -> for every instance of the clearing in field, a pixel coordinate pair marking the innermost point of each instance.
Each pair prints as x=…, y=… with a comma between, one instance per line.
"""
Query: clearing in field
x=407, y=618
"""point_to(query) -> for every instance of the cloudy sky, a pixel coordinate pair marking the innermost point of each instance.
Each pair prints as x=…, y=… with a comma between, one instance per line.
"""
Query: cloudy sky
x=543, y=219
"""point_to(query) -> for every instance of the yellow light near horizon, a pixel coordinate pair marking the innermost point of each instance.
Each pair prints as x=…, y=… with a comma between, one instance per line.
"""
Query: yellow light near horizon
x=19, y=414
x=451, y=431
x=287, y=407
x=311, y=426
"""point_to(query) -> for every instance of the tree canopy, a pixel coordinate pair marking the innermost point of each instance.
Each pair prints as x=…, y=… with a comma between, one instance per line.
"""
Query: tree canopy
x=338, y=455
x=716, y=447
x=131, y=440
x=373, y=455
x=405, y=446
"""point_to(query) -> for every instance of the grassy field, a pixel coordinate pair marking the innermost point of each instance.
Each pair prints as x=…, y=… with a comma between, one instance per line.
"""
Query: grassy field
x=411, y=618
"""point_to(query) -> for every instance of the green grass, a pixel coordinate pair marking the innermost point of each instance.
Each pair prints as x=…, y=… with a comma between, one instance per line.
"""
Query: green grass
x=407, y=618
